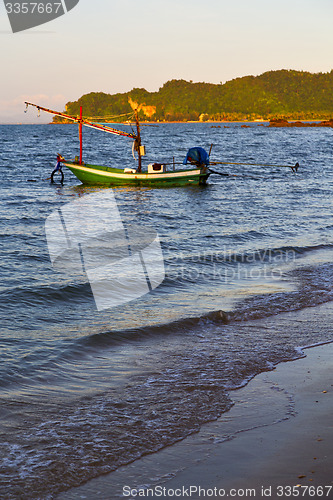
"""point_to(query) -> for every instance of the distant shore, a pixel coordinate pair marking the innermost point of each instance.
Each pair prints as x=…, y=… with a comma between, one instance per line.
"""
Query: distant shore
x=280, y=122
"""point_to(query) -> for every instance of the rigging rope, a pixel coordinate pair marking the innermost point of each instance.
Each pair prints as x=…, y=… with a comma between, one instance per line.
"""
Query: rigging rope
x=101, y=117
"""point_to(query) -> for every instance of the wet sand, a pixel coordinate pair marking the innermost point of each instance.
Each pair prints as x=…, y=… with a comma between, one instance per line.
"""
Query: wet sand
x=294, y=453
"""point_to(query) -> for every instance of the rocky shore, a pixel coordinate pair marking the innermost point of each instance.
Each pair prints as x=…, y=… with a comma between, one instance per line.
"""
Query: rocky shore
x=280, y=122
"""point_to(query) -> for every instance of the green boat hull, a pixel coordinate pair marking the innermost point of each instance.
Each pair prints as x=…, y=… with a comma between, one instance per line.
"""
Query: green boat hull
x=95, y=175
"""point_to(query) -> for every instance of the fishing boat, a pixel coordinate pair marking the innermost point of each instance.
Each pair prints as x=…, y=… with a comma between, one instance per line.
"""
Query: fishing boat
x=155, y=174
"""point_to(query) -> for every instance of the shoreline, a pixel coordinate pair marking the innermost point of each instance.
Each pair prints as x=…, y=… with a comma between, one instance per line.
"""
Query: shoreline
x=278, y=434
x=290, y=122
x=295, y=452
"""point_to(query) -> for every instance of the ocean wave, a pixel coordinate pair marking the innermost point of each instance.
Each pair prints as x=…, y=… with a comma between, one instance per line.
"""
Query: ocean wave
x=45, y=295
x=225, y=255
x=59, y=357
x=314, y=289
x=311, y=286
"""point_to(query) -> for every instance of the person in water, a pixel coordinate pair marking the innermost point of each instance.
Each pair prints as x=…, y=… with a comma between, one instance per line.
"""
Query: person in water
x=58, y=168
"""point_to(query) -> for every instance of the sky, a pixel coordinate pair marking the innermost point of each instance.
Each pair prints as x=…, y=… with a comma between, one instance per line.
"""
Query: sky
x=113, y=46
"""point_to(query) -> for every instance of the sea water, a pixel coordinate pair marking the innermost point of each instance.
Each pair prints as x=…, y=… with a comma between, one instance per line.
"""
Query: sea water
x=83, y=391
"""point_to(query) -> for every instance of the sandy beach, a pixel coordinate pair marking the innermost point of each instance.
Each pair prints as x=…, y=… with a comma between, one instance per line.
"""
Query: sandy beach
x=276, y=442
x=293, y=457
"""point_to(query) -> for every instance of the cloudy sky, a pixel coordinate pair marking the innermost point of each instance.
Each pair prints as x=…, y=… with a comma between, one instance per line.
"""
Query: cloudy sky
x=114, y=45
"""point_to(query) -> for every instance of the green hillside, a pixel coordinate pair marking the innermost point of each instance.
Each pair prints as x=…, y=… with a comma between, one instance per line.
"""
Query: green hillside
x=275, y=94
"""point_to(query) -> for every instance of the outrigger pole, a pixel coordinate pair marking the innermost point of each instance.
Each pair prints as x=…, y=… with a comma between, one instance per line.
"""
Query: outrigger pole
x=103, y=128
x=294, y=168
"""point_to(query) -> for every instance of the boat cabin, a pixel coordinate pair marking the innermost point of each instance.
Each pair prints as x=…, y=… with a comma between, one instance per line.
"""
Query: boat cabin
x=156, y=168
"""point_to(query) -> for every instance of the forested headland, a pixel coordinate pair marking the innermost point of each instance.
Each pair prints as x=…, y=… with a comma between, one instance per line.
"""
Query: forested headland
x=283, y=94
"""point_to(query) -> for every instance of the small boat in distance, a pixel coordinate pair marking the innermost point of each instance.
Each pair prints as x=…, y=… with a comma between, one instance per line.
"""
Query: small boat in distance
x=157, y=174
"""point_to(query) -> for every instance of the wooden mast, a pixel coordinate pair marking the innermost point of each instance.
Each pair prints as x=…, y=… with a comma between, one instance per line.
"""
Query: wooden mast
x=80, y=134
x=138, y=140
